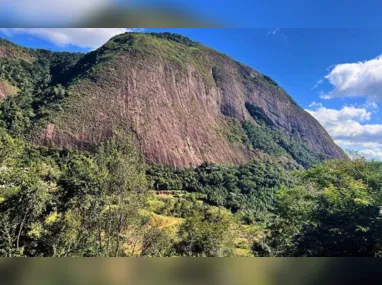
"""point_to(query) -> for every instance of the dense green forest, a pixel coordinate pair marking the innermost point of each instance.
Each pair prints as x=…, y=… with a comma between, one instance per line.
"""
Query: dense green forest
x=107, y=202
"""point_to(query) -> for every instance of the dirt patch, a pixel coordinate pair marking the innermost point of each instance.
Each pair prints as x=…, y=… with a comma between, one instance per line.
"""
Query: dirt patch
x=6, y=90
x=11, y=51
x=49, y=132
x=164, y=195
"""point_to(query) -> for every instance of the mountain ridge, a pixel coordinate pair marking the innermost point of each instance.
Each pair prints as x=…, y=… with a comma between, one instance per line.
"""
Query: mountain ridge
x=184, y=102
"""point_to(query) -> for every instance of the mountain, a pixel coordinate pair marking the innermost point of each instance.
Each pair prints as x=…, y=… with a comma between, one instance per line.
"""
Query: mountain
x=184, y=103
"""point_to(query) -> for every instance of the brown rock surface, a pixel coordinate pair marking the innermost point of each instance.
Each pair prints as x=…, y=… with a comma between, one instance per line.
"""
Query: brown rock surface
x=177, y=108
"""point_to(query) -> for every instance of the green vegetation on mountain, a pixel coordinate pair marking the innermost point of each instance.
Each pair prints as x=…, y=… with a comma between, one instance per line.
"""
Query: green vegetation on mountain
x=41, y=88
x=265, y=137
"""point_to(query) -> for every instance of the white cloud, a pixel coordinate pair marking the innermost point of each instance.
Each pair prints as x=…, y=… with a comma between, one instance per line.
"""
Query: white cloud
x=82, y=37
x=357, y=145
x=347, y=113
x=372, y=153
x=349, y=128
x=318, y=83
x=356, y=79
x=371, y=105
x=273, y=32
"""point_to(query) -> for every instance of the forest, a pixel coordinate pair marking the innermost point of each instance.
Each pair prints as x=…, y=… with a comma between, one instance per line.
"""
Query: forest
x=108, y=202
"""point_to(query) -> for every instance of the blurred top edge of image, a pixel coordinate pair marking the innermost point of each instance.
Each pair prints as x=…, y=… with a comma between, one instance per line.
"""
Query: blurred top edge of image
x=103, y=13
x=194, y=13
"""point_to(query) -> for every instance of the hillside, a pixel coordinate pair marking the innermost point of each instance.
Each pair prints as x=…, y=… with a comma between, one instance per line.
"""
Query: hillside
x=184, y=102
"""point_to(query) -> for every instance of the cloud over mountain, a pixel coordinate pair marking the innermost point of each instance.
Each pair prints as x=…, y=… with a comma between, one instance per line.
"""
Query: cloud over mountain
x=350, y=129
x=356, y=79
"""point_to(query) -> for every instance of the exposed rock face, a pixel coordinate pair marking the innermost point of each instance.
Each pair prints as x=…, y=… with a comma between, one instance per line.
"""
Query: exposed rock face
x=284, y=113
x=176, y=99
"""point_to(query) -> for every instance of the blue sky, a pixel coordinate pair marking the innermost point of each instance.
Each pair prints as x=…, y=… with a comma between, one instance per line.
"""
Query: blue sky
x=231, y=13
x=335, y=74
x=282, y=13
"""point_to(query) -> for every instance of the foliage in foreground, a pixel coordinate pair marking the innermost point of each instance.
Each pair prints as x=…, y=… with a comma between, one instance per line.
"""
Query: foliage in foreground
x=70, y=203
x=333, y=210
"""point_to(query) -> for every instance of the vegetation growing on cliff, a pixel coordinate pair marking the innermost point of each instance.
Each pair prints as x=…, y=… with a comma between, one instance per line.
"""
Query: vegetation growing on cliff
x=42, y=87
x=266, y=137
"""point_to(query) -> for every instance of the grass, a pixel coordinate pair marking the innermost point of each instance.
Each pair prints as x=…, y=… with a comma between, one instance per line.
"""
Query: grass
x=181, y=56
x=167, y=222
x=244, y=234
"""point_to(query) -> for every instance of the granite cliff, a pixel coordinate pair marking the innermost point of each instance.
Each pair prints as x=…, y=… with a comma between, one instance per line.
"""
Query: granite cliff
x=184, y=103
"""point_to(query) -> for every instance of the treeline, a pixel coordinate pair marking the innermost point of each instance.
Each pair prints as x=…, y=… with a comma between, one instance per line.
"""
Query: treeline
x=248, y=190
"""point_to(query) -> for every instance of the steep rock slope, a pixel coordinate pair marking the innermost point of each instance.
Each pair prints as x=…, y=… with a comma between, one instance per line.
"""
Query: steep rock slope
x=184, y=102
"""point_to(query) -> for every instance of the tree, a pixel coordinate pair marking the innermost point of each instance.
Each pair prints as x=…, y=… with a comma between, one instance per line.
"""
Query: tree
x=103, y=196
x=209, y=233
x=293, y=212
x=82, y=199
x=26, y=195
x=10, y=149
x=332, y=211
x=125, y=188
x=158, y=243
x=347, y=219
